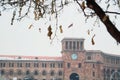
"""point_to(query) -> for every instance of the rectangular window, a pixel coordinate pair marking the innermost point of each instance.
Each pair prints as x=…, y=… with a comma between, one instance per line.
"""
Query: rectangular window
x=52, y=65
x=68, y=65
x=74, y=45
x=44, y=65
x=60, y=65
x=70, y=44
x=3, y=64
x=0, y=64
x=19, y=64
x=11, y=64
x=27, y=64
x=66, y=44
x=79, y=65
x=81, y=45
x=93, y=74
x=93, y=65
x=36, y=65
x=77, y=44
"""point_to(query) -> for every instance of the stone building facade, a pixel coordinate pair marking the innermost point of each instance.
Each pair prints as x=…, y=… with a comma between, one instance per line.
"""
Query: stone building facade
x=76, y=63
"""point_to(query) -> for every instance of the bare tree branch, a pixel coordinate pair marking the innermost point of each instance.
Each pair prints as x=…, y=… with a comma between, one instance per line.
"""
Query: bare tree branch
x=114, y=32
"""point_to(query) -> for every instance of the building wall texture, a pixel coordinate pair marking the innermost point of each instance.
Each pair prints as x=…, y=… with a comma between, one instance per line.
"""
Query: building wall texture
x=76, y=63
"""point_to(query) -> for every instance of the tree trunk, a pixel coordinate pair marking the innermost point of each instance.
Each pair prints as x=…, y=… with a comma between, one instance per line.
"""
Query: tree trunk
x=114, y=32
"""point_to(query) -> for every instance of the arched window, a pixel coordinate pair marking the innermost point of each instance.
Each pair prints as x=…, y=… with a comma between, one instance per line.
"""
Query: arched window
x=44, y=73
x=60, y=73
x=59, y=79
x=19, y=72
x=11, y=72
x=36, y=72
x=27, y=72
x=52, y=73
x=108, y=73
x=2, y=72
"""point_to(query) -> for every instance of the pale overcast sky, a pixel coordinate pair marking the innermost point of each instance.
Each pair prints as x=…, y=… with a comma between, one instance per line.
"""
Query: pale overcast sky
x=19, y=40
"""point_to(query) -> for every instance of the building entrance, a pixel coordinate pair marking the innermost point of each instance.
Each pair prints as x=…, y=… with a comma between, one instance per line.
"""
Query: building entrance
x=74, y=76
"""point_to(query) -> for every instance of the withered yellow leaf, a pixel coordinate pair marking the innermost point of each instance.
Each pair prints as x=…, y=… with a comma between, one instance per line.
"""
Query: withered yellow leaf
x=93, y=42
x=30, y=26
x=61, y=30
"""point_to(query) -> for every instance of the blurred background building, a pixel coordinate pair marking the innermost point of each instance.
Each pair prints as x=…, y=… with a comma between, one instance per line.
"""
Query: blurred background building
x=76, y=63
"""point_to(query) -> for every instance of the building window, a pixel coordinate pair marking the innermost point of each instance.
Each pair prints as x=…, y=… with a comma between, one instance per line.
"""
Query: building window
x=59, y=79
x=68, y=65
x=60, y=65
x=19, y=72
x=81, y=45
x=27, y=72
x=52, y=65
x=52, y=73
x=19, y=64
x=89, y=57
x=74, y=45
x=70, y=44
x=36, y=65
x=2, y=72
x=66, y=45
x=44, y=73
x=60, y=73
x=44, y=65
x=77, y=44
x=11, y=64
x=2, y=64
x=79, y=65
x=35, y=72
x=93, y=74
x=93, y=65
x=27, y=64
x=11, y=72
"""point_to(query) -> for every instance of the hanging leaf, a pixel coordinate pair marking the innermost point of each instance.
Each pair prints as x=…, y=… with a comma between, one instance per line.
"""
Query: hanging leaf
x=0, y=13
x=88, y=32
x=49, y=31
x=30, y=26
x=83, y=5
x=37, y=1
x=107, y=6
x=39, y=29
x=61, y=30
x=93, y=42
x=70, y=25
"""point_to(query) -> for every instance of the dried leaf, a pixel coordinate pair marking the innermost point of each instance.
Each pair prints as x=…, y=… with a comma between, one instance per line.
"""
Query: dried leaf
x=49, y=31
x=39, y=29
x=88, y=32
x=107, y=6
x=61, y=30
x=0, y=13
x=30, y=26
x=93, y=42
x=83, y=5
x=70, y=25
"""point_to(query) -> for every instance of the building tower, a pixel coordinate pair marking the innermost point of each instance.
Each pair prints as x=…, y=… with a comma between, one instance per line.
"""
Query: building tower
x=73, y=57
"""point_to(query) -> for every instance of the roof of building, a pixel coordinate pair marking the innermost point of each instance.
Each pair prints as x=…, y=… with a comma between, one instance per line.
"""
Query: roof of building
x=17, y=57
